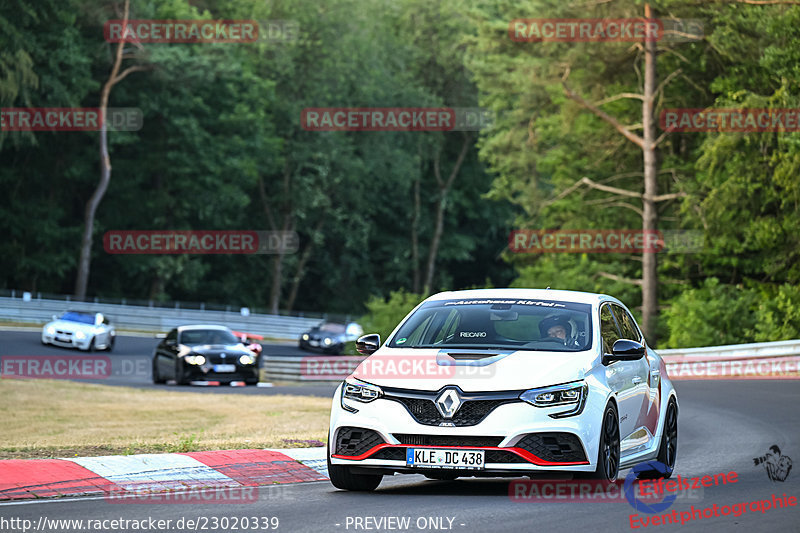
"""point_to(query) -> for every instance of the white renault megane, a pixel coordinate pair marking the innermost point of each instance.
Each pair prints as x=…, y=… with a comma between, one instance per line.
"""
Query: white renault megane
x=505, y=382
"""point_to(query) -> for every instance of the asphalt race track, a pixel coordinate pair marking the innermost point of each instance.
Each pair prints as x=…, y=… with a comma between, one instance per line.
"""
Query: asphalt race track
x=131, y=363
x=723, y=425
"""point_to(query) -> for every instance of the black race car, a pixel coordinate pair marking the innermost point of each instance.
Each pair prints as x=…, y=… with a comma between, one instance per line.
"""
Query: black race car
x=330, y=337
x=203, y=353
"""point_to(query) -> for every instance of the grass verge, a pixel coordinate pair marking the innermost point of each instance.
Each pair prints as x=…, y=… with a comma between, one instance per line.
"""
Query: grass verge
x=51, y=418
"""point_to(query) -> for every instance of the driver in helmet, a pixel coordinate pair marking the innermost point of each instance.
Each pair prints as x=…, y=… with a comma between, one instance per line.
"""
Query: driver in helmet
x=557, y=327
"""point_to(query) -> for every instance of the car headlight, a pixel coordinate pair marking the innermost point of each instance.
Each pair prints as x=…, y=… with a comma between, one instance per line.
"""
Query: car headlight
x=354, y=389
x=570, y=394
x=51, y=330
x=305, y=336
x=247, y=359
x=80, y=335
x=327, y=341
x=195, y=359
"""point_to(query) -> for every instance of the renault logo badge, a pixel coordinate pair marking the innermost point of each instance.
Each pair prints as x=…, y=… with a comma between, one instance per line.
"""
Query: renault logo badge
x=448, y=403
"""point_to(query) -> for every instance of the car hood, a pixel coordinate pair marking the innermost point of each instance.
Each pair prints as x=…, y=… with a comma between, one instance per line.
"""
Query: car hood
x=66, y=325
x=214, y=349
x=473, y=370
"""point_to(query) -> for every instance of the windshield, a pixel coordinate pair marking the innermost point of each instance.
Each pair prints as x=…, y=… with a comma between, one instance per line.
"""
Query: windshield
x=207, y=336
x=72, y=316
x=539, y=325
x=331, y=327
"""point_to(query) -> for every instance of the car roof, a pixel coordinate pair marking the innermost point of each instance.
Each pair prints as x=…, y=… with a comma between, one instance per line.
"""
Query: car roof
x=202, y=326
x=534, y=294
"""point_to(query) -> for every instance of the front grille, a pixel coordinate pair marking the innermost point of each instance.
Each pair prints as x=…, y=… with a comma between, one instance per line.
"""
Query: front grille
x=217, y=359
x=447, y=440
x=355, y=441
x=65, y=333
x=391, y=454
x=470, y=413
x=554, y=447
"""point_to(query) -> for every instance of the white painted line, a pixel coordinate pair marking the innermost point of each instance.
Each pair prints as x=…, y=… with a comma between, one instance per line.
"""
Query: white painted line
x=161, y=471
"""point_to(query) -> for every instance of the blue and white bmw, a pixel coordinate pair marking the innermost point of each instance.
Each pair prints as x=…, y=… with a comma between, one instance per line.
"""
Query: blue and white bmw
x=505, y=382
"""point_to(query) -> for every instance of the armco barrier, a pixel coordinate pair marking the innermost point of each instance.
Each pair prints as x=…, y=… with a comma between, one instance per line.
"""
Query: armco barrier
x=763, y=360
x=157, y=319
x=768, y=360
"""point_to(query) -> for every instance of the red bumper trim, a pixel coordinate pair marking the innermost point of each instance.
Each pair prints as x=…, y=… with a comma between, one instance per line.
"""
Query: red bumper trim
x=525, y=454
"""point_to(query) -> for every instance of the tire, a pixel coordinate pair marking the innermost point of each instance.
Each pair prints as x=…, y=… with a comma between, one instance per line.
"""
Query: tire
x=157, y=379
x=110, y=345
x=667, y=448
x=180, y=377
x=342, y=478
x=91, y=346
x=608, y=452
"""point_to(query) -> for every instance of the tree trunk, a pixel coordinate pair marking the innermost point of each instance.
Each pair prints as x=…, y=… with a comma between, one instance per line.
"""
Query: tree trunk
x=299, y=272
x=84, y=261
x=415, y=238
x=650, y=214
x=441, y=207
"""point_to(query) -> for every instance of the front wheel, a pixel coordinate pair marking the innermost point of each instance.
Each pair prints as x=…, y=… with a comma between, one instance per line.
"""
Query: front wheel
x=608, y=452
x=342, y=478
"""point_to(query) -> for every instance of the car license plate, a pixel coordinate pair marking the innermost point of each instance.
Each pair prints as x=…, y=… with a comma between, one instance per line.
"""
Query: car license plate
x=224, y=368
x=444, y=458
x=313, y=343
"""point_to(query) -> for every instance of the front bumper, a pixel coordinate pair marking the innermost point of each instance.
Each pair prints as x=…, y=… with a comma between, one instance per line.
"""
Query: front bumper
x=516, y=437
x=246, y=373
x=66, y=341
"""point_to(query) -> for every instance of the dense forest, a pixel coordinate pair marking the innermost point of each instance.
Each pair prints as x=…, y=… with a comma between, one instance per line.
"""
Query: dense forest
x=386, y=217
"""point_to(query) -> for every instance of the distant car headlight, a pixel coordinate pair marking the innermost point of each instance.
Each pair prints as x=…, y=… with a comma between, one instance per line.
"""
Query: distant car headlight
x=195, y=359
x=569, y=394
x=80, y=335
x=327, y=341
x=247, y=359
x=51, y=330
x=354, y=389
x=305, y=336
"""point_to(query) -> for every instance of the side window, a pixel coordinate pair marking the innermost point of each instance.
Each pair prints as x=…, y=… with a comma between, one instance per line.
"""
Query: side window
x=627, y=324
x=608, y=328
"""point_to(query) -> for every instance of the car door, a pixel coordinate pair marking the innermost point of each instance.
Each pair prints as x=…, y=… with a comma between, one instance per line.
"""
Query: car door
x=647, y=374
x=621, y=376
x=166, y=353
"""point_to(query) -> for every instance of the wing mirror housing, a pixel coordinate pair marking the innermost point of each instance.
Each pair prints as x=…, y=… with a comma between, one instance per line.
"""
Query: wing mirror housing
x=368, y=344
x=624, y=350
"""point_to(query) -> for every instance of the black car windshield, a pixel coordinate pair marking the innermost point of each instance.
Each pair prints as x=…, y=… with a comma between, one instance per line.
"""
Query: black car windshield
x=72, y=316
x=193, y=337
x=502, y=323
x=331, y=327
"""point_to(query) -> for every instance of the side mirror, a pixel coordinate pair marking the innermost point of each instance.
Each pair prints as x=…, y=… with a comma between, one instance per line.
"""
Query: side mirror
x=368, y=344
x=624, y=350
x=55, y=317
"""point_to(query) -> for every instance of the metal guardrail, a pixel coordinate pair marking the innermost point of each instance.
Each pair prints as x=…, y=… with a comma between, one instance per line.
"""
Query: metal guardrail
x=156, y=319
x=291, y=367
x=733, y=351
